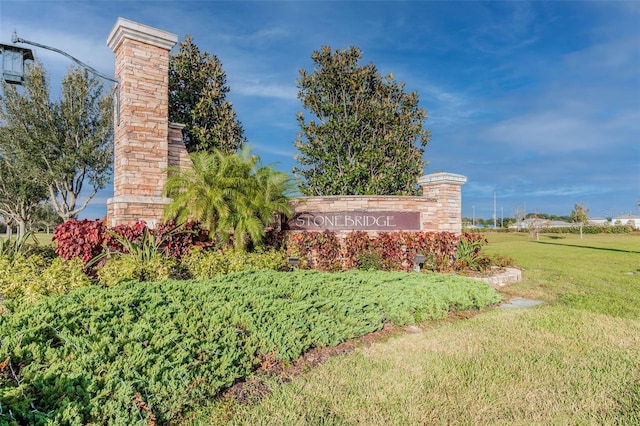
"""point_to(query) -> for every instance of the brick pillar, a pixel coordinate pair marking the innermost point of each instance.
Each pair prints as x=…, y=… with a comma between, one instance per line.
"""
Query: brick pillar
x=446, y=189
x=141, y=137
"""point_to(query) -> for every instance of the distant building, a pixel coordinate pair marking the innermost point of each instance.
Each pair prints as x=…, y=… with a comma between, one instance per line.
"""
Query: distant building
x=599, y=221
x=627, y=219
x=533, y=223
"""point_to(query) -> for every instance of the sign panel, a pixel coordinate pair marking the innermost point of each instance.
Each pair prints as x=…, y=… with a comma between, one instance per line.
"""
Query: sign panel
x=387, y=221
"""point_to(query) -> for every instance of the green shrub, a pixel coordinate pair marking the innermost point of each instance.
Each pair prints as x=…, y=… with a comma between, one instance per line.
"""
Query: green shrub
x=370, y=260
x=31, y=277
x=11, y=248
x=205, y=264
x=271, y=260
x=142, y=353
x=467, y=254
x=123, y=268
x=63, y=276
x=20, y=276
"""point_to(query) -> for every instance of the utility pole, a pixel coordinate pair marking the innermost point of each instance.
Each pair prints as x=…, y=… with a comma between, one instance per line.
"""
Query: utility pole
x=495, y=224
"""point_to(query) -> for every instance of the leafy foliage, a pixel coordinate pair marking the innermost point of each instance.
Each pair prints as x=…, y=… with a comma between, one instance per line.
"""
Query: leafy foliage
x=368, y=137
x=232, y=195
x=141, y=266
x=370, y=260
x=391, y=251
x=21, y=187
x=317, y=250
x=30, y=277
x=150, y=352
x=67, y=144
x=206, y=264
x=580, y=214
x=88, y=239
x=11, y=248
x=468, y=252
x=83, y=239
x=197, y=98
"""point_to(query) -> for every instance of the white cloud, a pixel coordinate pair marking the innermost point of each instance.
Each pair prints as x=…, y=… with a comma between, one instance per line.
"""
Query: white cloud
x=262, y=89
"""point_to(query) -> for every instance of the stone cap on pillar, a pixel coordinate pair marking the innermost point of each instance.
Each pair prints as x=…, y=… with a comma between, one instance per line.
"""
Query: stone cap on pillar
x=441, y=178
x=140, y=32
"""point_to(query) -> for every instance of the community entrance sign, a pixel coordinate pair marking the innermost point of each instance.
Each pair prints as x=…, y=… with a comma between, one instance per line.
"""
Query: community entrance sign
x=146, y=144
x=355, y=221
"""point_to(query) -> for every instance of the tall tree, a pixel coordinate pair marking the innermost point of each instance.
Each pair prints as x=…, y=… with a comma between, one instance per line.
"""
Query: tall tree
x=233, y=195
x=368, y=137
x=69, y=142
x=580, y=215
x=197, y=98
x=21, y=189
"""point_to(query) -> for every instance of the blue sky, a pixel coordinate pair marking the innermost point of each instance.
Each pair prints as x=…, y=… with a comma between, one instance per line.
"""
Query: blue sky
x=537, y=102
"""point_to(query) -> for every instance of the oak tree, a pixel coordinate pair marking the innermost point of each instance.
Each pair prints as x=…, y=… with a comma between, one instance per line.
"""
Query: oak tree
x=21, y=190
x=367, y=136
x=67, y=143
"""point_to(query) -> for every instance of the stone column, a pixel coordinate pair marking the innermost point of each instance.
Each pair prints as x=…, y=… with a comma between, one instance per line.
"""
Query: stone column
x=446, y=190
x=141, y=138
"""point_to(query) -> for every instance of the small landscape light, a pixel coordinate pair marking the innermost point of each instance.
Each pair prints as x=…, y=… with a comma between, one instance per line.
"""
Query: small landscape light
x=418, y=259
x=293, y=261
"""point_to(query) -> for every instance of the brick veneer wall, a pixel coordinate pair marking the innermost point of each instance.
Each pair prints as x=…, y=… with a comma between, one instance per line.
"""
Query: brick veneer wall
x=446, y=189
x=141, y=138
x=178, y=155
x=439, y=206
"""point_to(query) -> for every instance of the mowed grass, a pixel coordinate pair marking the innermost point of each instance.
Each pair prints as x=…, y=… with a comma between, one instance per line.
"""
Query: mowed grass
x=574, y=360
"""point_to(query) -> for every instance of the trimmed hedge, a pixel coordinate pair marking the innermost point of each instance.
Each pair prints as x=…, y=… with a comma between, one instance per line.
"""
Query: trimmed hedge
x=149, y=352
x=590, y=229
x=389, y=251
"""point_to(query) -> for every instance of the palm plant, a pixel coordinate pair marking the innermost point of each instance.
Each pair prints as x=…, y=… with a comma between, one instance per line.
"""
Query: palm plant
x=232, y=195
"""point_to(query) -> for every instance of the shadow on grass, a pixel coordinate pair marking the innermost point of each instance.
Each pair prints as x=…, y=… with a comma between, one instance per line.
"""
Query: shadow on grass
x=587, y=247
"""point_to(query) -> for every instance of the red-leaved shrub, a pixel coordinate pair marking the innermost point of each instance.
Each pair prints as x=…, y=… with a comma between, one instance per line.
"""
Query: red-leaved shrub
x=396, y=250
x=87, y=239
x=83, y=239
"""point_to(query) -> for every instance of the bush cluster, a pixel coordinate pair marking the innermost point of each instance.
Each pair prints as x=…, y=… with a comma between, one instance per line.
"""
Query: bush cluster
x=395, y=251
x=87, y=239
x=142, y=353
x=606, y=229
x=205, y=264
x=30, y=277
x=589, y=229
x=125, y=253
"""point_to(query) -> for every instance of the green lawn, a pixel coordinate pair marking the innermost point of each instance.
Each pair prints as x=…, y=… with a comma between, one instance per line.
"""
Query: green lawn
x=574, y=360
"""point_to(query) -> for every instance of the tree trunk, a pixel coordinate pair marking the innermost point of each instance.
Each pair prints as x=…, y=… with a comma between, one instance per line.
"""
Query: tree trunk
x=22, y=228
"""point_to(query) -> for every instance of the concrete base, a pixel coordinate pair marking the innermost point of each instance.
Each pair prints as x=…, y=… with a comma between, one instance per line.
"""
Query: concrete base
x=510, y=275
x=519, y=302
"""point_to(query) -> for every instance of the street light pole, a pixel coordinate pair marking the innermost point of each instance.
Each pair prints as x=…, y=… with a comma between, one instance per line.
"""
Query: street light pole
x=16, y=39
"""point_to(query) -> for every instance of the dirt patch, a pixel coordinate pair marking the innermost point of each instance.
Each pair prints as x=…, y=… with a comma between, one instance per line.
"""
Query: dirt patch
x=252, y=390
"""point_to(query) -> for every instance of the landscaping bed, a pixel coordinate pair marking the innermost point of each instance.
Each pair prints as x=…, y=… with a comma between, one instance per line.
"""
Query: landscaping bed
x=141, y=353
